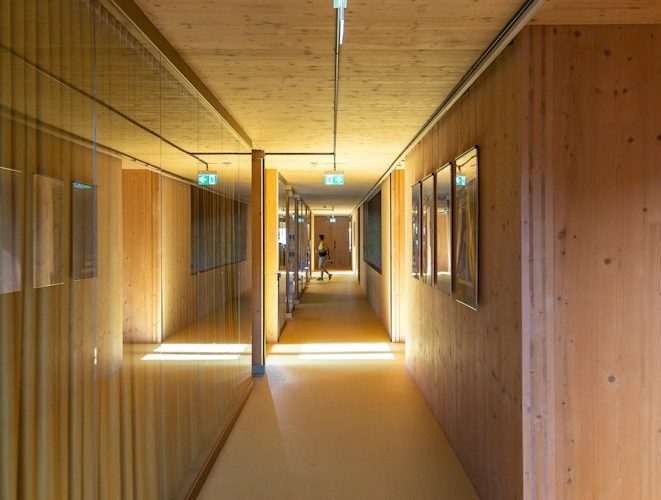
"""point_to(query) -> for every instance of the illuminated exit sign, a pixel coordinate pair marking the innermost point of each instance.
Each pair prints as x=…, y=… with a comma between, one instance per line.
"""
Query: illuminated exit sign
x=334, y=178
x=332, y=220
x=207, y=178
x=461, y=180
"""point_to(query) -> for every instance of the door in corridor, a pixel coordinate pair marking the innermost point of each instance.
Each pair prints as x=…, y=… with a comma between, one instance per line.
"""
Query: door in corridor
x=338, y=239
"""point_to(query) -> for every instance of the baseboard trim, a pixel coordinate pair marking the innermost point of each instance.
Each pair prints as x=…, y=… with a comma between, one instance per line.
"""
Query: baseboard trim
x=201, y=477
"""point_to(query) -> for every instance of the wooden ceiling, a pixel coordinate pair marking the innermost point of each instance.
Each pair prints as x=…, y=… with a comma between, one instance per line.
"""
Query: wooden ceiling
x=599, y=12
x=271, y=65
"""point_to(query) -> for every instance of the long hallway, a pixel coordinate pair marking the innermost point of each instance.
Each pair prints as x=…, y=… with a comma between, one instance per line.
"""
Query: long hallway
x=336, y=415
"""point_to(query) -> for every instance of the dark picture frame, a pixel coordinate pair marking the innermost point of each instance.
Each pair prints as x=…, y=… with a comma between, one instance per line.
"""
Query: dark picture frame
x=427, y=237
x=415, y=229
x=11, y=230
x=443, y=228
x=465, y=223
x=84, y=251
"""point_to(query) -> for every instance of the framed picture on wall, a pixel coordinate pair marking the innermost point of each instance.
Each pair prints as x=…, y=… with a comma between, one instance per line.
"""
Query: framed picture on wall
x=11, y=208
x=427, y=238
x=415, y=229
x=83, y=231
x=466, y=228
x=48, y=210
x=443, y=229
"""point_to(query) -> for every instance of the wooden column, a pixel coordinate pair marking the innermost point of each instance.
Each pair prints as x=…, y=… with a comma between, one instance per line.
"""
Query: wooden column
x=258, y=346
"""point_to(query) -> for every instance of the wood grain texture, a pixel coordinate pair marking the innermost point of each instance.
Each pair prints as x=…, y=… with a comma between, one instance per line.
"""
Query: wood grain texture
x=397, y=66
x=467, y=363
x=594, y=258
x=142, y=262
x=337, y=238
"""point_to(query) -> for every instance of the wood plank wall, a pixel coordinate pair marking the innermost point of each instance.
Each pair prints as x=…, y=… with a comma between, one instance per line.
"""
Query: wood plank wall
x=142, y=261
x=48, y=335
x=468, y=363
x=593, y=289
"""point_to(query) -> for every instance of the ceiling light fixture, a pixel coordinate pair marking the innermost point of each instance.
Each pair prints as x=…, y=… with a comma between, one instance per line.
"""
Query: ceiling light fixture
x=340, y=5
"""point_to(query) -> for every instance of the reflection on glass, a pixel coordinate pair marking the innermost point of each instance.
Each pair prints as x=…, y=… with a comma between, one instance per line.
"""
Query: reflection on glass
x=415, y=230
x=444, y=229
x=466, y=228
x=282, y=254
x=47, y=231
x=372, y=231
x=10, y=231
x=83, y=231
x=427, y=230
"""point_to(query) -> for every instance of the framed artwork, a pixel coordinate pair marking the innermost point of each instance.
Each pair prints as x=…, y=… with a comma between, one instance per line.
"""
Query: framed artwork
x=415, y=229
x=83, y=231
x=427, y=238
x=48, y=248
x=11, y=182
x=466, y=228
x=443, y=229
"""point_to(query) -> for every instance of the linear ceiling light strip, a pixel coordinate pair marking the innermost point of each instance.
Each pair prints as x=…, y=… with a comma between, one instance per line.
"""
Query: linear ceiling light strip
x=506, y=35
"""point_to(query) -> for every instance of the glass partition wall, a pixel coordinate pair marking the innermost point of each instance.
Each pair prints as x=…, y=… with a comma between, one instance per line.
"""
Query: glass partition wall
x=124, y=287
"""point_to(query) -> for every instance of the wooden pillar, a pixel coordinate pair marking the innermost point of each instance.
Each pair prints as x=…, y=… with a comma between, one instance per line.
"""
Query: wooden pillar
x=258, y=346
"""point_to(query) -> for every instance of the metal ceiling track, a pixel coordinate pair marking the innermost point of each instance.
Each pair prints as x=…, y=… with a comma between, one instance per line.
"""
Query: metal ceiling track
x=502, y=40
x=336, y=95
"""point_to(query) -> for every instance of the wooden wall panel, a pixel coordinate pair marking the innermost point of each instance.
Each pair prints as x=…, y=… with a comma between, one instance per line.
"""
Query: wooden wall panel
x=142, y=263
x=467, y=363
x=599, y=261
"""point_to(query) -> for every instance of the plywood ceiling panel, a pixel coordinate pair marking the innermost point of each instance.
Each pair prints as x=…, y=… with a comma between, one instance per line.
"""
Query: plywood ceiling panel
x=271, y=64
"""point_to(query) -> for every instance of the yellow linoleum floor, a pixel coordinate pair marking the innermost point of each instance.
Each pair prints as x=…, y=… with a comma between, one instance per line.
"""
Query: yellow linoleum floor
x=336, y=416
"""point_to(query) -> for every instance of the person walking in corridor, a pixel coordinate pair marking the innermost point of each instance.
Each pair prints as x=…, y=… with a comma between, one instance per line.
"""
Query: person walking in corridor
x=322, y=250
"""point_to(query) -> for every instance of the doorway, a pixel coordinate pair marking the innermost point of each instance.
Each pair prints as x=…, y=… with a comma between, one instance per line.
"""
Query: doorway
x=337, y=232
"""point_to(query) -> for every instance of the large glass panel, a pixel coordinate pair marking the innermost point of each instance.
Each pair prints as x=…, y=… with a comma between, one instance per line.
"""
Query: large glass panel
x=292, y=273
x=125, y=319
x=444, y=229
x=282, y=255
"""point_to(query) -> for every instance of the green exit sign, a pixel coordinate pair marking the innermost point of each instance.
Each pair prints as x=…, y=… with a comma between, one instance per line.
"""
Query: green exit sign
x=207, y=179
x=334, y=179
x=332, y=220
x=461, y=180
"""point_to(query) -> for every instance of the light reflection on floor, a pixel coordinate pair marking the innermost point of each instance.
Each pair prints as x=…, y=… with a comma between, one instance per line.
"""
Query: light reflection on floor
x=197, y=352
